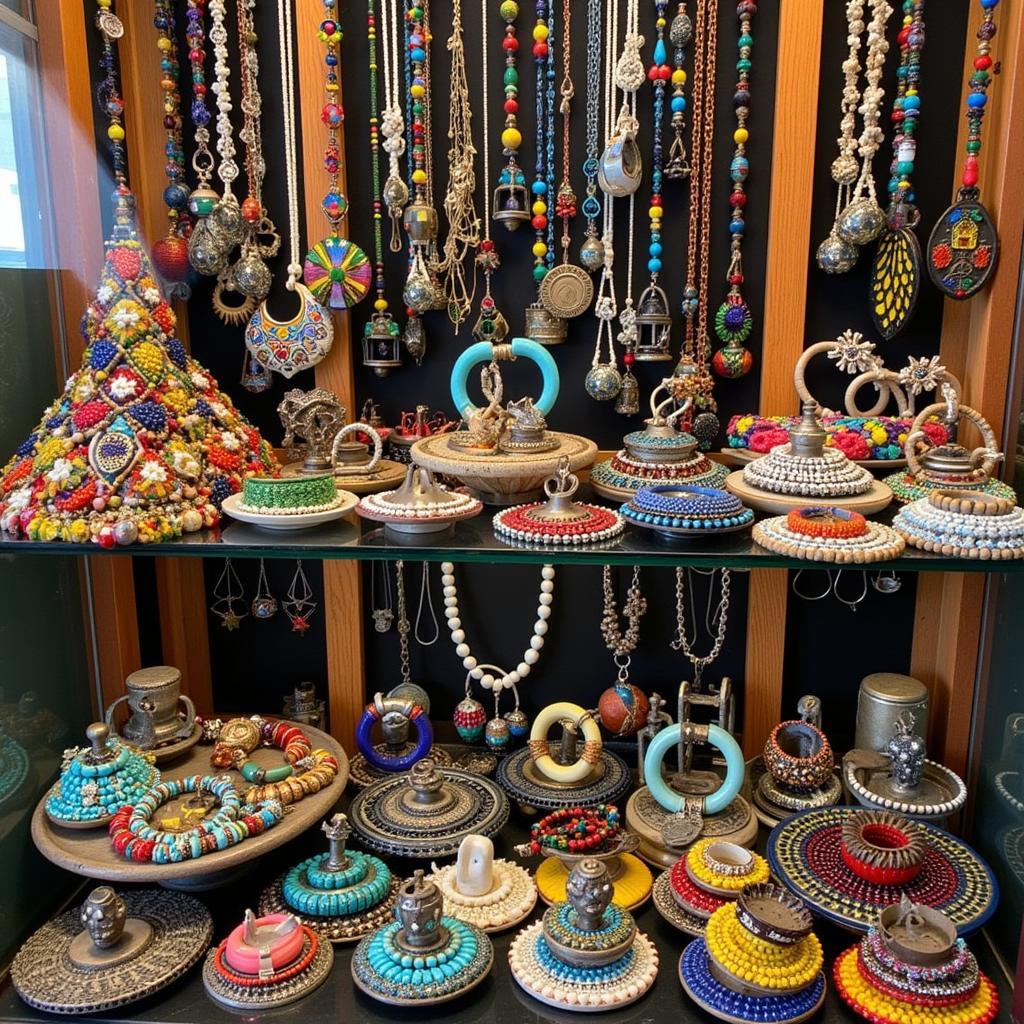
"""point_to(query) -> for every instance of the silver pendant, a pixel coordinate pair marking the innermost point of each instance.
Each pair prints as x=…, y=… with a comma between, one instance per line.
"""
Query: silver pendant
x=683, y=827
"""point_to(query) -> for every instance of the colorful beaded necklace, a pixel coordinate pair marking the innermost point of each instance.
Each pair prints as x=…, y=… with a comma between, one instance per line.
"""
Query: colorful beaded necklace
x=964, y=247
x=693, y=379
x=592, y=249
x=576, y=829
x=680, y=34
x=170, y=253
x=203, y=198
x=109, y=94
x=896, y=270
x=510, y=197
x=733, y=322
x=381, y=327
x=336, y=270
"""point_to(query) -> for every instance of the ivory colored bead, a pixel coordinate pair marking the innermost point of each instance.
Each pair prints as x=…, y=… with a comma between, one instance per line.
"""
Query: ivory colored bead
x=543, y=612
x=469, y=663
x=477, y=674
x=546, y=599
x=531, y=657
x=462, y=650
x=540, y=627
x=547, y=587
x=487, y=681
x=548, y=572
x=523, y=669
x=459, y=637
x=536, y=642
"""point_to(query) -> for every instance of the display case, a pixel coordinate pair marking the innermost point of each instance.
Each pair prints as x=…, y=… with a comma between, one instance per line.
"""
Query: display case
x=325, y=625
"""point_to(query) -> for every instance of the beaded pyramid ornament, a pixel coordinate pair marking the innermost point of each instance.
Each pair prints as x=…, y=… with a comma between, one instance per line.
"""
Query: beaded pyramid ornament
x=964, y=247
x=587, y=953
x=343, y=894
x=758, y=960
x=912, y=966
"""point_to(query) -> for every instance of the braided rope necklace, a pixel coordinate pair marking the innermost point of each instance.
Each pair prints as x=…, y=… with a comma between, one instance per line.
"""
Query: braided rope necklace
x=392, y=126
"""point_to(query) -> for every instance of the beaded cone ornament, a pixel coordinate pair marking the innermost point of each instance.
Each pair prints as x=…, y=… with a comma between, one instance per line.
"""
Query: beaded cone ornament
x=142, y=445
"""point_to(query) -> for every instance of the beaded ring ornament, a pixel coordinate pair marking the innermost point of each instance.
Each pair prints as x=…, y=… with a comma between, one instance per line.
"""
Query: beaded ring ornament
x=806, y=853
x=911, y=965
x=949, y=466
x=95, y=782
x=134, y=838
x=477, y=889
x=680, y=510
x=824, y=534
x=963, y=524
x=559, y=520
x=586, y=954
x=343, y=895
x=267, y=962
x=420, y=505
x=861, y=434
x=758, y=960
x=422, y=957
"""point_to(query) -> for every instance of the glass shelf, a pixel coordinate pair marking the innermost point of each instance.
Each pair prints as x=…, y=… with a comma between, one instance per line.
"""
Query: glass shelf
x=474, y=540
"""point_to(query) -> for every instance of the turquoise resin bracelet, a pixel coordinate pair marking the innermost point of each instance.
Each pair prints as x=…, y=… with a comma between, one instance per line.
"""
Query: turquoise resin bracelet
x=310, y=889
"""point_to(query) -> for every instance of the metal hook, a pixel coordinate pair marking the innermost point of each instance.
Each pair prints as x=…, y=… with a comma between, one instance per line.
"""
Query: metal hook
x=808, y=597
x=852, y=605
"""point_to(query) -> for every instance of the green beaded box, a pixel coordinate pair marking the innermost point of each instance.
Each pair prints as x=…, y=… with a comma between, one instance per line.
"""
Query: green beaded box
x=288, y=494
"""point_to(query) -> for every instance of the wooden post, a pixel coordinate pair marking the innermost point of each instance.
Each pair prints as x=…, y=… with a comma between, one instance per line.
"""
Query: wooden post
x=789, y=239
x=977, y=339
x=68, y=115
x=343, y=604
x=184, y=635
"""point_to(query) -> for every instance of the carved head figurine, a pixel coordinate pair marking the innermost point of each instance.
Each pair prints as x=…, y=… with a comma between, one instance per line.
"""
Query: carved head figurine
x=589, y=889
x=474, y=868
x=907, y=751
x=104, y=915
x=419, y=908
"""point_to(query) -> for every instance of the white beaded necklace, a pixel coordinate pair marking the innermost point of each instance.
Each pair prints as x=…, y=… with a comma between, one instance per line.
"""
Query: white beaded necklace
x=392, y=125
x=531, y=655
x=227, y=171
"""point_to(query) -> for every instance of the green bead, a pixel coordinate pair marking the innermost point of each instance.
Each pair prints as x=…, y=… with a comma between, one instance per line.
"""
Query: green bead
x=974, y=146
x=905, y=166
x=540, y=272
x=509, y=10
x=745, y=40
x=743, y=65
x=511, y=76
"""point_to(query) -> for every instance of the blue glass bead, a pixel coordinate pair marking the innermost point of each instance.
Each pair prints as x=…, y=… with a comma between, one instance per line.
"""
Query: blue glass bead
x=989, y=5
x=678, y=104
x=660, y=54
x=739, y=168
x=655, y=247
x=331, y=60
x=654, y=266
x=520, y=178
x=911, y=102
x=736, y=227
x=505, y=178
x=741, y=97
x=418, y=55
x=977, y=100
x=539, y=187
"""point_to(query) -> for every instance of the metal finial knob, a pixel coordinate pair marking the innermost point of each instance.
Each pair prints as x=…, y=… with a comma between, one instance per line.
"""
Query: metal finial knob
x=98, y=734
x=426, y=781
x=419, y=909
x=337, y=831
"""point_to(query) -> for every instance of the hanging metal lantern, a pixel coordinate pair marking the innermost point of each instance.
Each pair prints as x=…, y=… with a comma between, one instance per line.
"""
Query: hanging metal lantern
x=511, y=206
x=540, y=326
x=382, y=344
x=655, y=326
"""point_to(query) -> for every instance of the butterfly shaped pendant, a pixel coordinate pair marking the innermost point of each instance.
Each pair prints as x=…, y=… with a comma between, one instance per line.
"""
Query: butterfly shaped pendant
x=895, y=281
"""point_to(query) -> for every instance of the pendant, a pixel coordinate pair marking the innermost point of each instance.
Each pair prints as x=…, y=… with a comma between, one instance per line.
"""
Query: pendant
x=620, y=169
x=963, y=248
x=627, y=403
x=603, y=382
x=255, y=378
x=732, y=361
x=540, y=326
x=414, y=338
x=286, y=347
x=683, y=827
x=205, y=252
x=250, y=274
x=895, y=281
x=234, y=315
x=861, y=222
x=566, y=291
x=337, y=272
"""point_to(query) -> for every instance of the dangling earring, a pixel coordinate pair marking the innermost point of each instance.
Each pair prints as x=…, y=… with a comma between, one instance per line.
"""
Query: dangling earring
x=227, y=590
x=264, y=604
x=517, y=720
x=470, y=716
x=299, y=605
x=497, y=735
x=382, y=617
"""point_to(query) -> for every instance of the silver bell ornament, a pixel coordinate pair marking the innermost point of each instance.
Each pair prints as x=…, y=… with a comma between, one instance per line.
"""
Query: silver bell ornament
x=836, y=256
x=861, y=222
x=603, y=382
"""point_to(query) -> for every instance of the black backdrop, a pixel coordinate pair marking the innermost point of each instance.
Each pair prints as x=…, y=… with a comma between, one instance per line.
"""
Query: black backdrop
x=829, y=648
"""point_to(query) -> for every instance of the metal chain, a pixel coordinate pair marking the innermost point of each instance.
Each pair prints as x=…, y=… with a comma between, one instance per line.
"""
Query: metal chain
x=591, y=204
x=634, y=608
x=403, y=621
x=682, y=642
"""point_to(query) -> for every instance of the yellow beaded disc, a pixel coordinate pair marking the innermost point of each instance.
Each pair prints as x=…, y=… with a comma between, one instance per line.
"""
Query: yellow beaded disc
x=632, y=887
x=702, y=873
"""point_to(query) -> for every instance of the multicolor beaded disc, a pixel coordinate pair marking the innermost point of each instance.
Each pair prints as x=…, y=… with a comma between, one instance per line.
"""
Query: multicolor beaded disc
x=337, y=272
x=871, y=1004
x=906, y=487
x=584, y=989
x=672, y=911
x=589, y=525
x=621, y=476
x=805, y=852
x=679, y=510
x=519, y=777
x=722, y=1002
x=387, y=973
x=995, y=531
x=871, y=542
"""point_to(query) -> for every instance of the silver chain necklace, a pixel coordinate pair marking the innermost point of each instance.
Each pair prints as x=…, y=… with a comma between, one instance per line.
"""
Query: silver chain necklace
x=721, y=618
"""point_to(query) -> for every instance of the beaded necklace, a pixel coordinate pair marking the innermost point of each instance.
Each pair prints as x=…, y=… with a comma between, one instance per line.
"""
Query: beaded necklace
x=733, y=321
x=491, y=326
x=680, y=34
x=108, y=93
x=286, y=347
x=592, y=251
x=421, y=293
x=336, y=270
x=720, y=619
x=896, y=270
x=634, y=607
x=653, y=317
x=392, y=125
x=566, y=290
x=510, y=196
x=203, y=198
x=692, y=378
x=170, y=253
x=964, y=247
x=381, y=329
x=576, y=829
x=460, y=195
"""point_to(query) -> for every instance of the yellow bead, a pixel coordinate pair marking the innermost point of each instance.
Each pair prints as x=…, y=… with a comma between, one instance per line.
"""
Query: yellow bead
x=115, y=133
x=511, y=138
x=163, y=43
x=419, y=176
x=655, y=213
x=740, y=135
x=540, y=249
x=540, y=32
x=659, y=23
x=679, y=77
x=417, y=91
x=539, y=208
x=380, y=305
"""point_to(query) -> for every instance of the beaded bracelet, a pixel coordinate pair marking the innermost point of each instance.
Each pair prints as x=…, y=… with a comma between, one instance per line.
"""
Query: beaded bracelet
x=277, y=977
x=575, y=829
x=823, y=521
x=883, y=848
x=320, y=768
x=133, y=837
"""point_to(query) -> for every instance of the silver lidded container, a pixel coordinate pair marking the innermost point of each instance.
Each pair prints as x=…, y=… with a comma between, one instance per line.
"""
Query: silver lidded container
x=883, y=698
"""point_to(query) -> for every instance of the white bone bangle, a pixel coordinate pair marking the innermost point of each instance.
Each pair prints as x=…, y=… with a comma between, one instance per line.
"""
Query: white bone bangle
x=541, y=755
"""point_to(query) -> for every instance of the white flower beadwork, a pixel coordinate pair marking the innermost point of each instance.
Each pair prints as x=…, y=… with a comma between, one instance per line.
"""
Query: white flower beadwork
x=922, y=374
x=153, y=472
x=60, y=472
x=152, y=296
x=104, y=293
x=853, y=353
x=230, y=441
x=123, y=387
x=185, y=464
x=200, y=381
x=125, y=318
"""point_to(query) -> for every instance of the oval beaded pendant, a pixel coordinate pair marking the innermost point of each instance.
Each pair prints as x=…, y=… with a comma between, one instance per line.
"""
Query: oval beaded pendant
x=895, y=281
x=469, y=719
x=963, y=249
x=497, y=734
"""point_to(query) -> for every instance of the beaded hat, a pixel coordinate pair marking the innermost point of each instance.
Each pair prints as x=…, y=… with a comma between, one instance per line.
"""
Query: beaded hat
x=964, y=524
x=142, y=444
x=912, y=966
x=824, y=534
x=96, y=781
